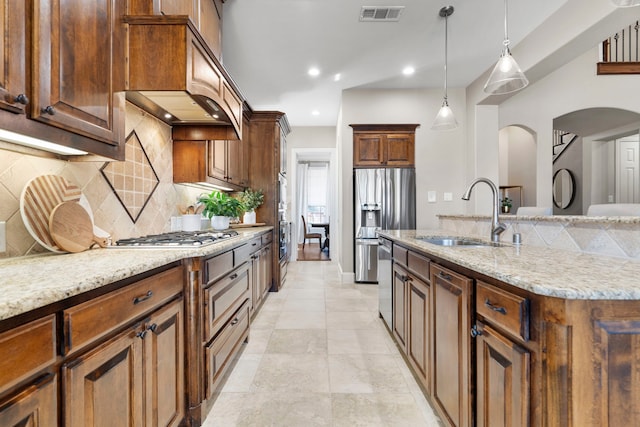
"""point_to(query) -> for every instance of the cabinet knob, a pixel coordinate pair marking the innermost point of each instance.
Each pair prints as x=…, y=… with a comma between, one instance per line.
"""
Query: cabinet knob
x=21, y=99
x=141, y=334
x=475, y=331
x=49, y=110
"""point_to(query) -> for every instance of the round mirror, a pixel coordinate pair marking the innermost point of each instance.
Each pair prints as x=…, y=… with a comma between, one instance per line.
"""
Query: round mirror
x=564, y=188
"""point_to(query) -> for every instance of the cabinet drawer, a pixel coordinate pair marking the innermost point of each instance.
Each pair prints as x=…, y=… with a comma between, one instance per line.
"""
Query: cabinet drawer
x=218, y=266
x=419, y=265
x=222, y=350
x=223, y=298
x=243, y=253
x=400, y=255
x=267, y=238
x=26, y=350
x=93, y=319
x=503, y=309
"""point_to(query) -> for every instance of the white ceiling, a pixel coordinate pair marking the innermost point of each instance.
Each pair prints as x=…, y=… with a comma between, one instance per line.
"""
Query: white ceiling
x=269, y=45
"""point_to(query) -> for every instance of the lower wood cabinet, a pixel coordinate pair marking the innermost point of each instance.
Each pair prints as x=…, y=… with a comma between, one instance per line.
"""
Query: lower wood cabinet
x=451, y=358
x=34, y=406
x=419, y=322
x=399, y=297
x=135, y=378
x=502, y=377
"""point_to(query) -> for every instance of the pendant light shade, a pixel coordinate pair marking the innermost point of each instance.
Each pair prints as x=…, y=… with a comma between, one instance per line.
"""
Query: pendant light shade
x=506, y=76
x=626, y=3
x=445, y=120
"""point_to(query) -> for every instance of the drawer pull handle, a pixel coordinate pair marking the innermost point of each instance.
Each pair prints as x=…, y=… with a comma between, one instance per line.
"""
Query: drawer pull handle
x=143, y=298
x=234, y=321
x=497, y=308
x=233, y=276
x=475, y=331
x=445, y=276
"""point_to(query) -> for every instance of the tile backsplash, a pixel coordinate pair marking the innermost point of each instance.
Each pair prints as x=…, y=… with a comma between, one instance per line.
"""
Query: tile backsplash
x=154, y=136
x=610, y=236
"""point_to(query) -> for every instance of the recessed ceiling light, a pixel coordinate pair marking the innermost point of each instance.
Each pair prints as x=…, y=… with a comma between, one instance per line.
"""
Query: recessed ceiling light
x=409, y=70
x=314, y=72
x=337, y=77
x=167, y=115
x=315, y=113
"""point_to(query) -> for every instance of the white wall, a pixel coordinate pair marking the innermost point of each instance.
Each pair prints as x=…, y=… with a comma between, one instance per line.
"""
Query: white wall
x=439, y=155
x=518, y=161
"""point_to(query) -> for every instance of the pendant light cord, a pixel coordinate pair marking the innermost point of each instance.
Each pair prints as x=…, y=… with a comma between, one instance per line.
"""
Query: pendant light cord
x=446, y=36
x=506, y=41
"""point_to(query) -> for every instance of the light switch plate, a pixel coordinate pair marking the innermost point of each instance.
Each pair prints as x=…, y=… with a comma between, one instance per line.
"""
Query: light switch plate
x=448, y=197
x=431, y=196
x=3, y=236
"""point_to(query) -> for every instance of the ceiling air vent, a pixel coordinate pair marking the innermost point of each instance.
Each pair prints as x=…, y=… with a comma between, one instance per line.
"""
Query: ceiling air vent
x=380, y=13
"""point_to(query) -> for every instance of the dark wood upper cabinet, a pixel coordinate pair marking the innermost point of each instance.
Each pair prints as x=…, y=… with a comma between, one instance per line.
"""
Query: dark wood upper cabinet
x=78, y=67
x=13, y=85
x=383, y=145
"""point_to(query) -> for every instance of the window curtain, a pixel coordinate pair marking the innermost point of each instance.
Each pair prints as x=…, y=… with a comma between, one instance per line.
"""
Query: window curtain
x=301, y=198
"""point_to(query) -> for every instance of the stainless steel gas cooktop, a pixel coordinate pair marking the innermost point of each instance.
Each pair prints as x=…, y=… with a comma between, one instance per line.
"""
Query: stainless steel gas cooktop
x=176, y=239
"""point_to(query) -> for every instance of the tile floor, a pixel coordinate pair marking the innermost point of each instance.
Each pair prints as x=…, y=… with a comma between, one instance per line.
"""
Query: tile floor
x=319, y=355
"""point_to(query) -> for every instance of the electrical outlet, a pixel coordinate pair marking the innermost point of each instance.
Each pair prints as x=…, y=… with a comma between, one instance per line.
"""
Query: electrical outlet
x=431, y=196
x=3, y=236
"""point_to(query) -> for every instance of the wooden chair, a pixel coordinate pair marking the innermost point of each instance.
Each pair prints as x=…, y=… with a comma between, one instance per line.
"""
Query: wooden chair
x=308, y=235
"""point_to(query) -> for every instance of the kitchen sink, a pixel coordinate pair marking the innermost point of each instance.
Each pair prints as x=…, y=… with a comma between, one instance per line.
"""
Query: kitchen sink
x=458, y=241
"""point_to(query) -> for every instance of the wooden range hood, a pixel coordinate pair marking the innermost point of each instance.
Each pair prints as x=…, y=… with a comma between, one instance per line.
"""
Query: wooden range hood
x=172, y=71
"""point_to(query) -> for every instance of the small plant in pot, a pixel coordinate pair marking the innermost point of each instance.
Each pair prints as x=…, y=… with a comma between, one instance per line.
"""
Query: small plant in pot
x=506, y=205
x=220, y=208
x=251, y=200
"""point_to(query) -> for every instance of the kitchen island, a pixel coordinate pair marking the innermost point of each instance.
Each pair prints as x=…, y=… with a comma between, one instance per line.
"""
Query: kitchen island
x=519, y=334
x=136, y=336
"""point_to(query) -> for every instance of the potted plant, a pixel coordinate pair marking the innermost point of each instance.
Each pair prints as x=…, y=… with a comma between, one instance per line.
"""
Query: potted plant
x=251, y=200
x=220, y=208
x=506, y=205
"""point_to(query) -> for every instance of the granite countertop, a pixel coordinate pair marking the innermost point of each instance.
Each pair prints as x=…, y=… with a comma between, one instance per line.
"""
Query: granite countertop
x=543, y=271
x=35, y=281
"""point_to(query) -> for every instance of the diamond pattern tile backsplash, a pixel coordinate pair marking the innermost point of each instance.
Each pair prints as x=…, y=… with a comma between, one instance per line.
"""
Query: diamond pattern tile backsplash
x=133, y=180
x=151, y=209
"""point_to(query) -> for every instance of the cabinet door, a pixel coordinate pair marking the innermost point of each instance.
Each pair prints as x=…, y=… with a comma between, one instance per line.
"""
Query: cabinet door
x=418, y=345
x=36, y=406
x=400, y=149
x=451, y=341
x=255, y=273
x=399, y=305
x=104, y=387
x=502, y=380
x=267, y=277
x=368, y=149
x=217, y=159
x=13, y=95
x=237, y=169
x=211, y=26
x=78, y=70
x=164, y=367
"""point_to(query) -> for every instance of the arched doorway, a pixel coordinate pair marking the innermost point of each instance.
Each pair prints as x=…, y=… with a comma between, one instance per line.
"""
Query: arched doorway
x=517, y=176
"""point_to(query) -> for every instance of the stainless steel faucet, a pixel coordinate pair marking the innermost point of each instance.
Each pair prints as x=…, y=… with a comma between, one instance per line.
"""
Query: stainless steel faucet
x=496, y=226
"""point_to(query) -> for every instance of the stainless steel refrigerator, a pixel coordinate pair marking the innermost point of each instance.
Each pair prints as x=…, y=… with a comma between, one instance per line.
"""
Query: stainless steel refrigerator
x=384, y=199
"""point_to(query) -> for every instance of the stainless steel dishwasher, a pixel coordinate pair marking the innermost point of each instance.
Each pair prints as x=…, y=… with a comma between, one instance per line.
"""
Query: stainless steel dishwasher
x=385, y=277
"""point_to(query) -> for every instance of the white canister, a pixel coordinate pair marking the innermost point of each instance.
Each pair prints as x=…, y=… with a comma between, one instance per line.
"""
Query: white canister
x=249, y=217
x=191, y=222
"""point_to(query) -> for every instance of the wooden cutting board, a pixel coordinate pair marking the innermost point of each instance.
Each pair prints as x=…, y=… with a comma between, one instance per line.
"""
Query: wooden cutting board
x=38, y=199
x=71, y=228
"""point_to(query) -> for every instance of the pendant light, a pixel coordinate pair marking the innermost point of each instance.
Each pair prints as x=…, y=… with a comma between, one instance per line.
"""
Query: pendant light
x=506, y=76
x=626, y=3
x=445, y=119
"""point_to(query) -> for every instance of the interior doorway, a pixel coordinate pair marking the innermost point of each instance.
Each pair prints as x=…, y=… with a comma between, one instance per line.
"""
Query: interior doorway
x=313, y=196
